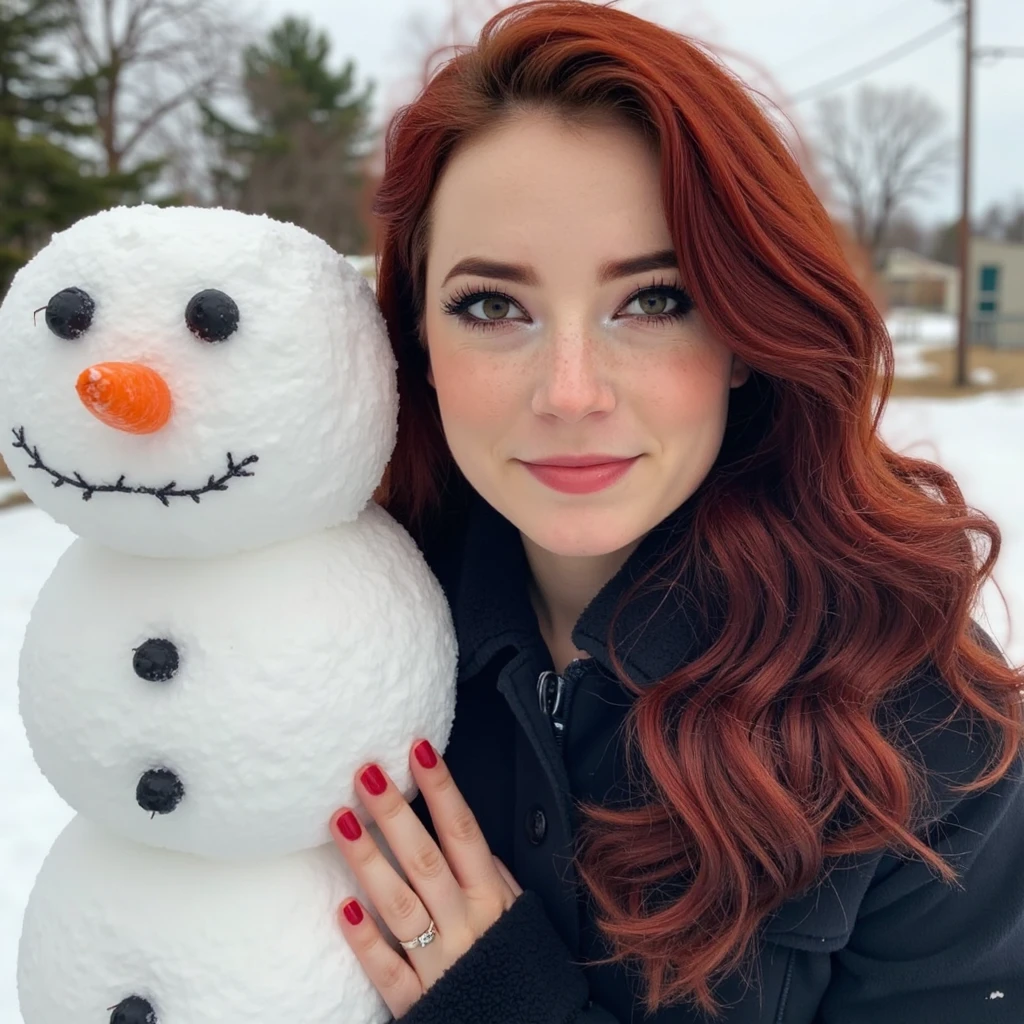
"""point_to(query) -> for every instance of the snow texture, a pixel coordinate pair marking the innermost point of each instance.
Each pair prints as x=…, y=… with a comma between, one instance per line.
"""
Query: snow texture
x=237, y=618
x=204, y=942
x=298, y=663
x=306, y=383
x=310, y=634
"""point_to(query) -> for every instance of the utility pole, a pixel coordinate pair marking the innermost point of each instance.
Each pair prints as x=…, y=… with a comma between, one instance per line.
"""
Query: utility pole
x=965, y=196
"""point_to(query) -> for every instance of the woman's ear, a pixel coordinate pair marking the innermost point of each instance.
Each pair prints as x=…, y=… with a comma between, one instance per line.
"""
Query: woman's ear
x=430, y=375
x=740, y=372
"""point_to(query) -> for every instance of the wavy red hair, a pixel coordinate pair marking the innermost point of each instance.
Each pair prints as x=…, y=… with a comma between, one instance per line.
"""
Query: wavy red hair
x=844, y=567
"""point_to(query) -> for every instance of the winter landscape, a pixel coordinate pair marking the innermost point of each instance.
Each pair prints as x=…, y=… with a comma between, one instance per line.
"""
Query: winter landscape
x=978, y=438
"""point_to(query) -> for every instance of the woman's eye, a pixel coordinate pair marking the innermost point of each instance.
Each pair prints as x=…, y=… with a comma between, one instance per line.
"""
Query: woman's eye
x=655, y=303
x=482, y=310
x=493, y=307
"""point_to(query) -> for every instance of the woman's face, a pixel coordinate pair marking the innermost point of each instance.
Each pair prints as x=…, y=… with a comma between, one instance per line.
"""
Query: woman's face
x=554, y=351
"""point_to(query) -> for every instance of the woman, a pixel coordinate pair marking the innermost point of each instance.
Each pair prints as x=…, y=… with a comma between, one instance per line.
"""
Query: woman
x=722, y=711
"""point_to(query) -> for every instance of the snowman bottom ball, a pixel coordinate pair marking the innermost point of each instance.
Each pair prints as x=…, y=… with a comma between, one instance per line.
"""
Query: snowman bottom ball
x=119, y=932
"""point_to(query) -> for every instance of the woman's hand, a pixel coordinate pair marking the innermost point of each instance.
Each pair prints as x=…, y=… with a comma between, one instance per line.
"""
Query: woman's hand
x=462, y=887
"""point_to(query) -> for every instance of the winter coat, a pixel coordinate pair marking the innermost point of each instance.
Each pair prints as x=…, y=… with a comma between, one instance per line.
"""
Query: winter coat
x=878, y=940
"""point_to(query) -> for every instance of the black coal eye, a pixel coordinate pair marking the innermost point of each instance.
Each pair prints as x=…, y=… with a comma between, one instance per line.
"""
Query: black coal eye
x=69, y=313
x=133, y=1010
x=211, y=315
x=156, y=660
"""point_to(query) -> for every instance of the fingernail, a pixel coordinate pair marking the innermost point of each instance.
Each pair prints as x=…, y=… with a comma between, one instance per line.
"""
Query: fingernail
x=348, y=825
x=373, y=780
x=425, y=754
x=353, y=912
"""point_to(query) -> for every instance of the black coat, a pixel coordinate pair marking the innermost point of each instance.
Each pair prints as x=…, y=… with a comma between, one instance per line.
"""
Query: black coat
x=880, y=940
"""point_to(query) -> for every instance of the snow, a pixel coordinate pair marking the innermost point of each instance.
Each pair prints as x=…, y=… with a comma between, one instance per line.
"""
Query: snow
x=31, y=813
x=271, y=709
x=938, y=330
x=977, y=438
x=311, y=396
x=914, y=334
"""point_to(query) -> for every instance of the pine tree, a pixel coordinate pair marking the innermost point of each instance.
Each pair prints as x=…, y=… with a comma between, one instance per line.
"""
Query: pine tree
x=45, y=185
x=30, y=87
x=301, y=158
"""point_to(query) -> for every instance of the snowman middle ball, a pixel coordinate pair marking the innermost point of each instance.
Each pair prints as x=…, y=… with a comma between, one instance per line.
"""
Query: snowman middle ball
x=222, y=706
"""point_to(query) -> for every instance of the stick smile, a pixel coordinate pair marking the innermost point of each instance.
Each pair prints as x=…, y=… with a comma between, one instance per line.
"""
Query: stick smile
x=162, y=494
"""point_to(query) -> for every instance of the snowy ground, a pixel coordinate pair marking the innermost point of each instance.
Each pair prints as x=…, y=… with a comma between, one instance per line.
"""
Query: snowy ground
x=31, y=813
x=915, y=334
x=978, y=438
x=937, y=330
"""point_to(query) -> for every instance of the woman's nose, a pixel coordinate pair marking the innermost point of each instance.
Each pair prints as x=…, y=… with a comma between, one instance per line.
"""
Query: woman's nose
x=127, y=396
x=573, y=384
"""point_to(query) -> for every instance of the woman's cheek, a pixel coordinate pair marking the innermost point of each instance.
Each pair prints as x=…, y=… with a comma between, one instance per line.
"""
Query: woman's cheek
x=476, y=386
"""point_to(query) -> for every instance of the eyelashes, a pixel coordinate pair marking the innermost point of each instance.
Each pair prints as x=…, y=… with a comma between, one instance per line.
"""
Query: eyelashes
x=458, y=306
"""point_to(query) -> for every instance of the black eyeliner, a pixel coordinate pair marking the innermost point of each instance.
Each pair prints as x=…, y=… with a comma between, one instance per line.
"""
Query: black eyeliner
x=459, y=303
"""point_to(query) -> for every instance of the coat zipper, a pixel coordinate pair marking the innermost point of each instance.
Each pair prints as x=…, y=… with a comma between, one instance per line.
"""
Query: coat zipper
x=553, y=692
x=551, y=697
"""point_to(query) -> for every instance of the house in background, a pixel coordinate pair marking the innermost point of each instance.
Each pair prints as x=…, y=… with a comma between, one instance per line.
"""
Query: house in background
x=996, y=293
x=913, y=281
x=995, y=289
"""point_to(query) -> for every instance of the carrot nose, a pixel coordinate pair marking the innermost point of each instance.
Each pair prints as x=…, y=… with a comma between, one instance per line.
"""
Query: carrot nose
x=127, y=396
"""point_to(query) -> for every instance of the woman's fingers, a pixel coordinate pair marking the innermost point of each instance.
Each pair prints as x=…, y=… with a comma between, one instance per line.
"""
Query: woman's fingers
x=517, y=889
x=393, y=976
x=459, y=884
x=434, y=893
x=461, y=838
x=414, y=847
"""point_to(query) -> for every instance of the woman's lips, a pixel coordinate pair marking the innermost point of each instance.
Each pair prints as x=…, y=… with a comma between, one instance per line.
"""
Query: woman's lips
x=580, y=479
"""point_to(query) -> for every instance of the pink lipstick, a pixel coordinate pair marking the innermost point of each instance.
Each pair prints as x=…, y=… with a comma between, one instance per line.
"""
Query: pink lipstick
x=580, y=474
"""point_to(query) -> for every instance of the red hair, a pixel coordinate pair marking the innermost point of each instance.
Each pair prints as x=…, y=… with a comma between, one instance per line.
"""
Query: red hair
x=844, y=567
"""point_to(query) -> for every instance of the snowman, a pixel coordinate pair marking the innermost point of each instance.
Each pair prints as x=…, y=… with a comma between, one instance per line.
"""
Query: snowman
x=208, y=400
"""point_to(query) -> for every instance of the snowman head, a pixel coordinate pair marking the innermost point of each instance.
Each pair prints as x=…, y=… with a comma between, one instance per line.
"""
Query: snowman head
x=194, y=382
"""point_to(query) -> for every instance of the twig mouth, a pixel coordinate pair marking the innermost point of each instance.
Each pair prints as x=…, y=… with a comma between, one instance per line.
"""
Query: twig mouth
x=162, y=494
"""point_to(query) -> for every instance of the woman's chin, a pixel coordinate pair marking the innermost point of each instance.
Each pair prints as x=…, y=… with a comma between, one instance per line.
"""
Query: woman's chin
x=582, y=533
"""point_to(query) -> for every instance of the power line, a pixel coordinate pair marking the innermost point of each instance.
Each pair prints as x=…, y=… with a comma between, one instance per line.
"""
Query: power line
x=854, y=30
x=999, y=51
x=889, y=57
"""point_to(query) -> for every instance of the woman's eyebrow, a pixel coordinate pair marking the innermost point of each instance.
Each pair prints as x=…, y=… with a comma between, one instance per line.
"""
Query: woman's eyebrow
x=519, y=273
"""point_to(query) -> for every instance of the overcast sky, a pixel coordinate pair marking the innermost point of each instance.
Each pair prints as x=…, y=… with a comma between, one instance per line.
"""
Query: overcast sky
x=801, y=43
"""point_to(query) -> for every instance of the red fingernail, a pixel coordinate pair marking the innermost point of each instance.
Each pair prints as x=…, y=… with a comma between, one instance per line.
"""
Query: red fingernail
x=374, y=781
x=348, y=825
x=425, y=754
x=353, y=912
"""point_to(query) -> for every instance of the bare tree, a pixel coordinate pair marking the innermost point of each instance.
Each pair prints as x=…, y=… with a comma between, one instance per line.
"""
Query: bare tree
x=882, y=150
x=142, y=64
x=1014, y=230
x=430, y=35
x=906, y=231
x=1003, y=222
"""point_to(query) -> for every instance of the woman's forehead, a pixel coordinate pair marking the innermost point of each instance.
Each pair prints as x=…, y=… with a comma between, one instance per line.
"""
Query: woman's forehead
x=586, y=200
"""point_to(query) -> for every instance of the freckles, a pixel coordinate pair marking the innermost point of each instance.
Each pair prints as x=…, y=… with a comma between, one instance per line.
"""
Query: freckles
x=476, y=387
x=687, y=384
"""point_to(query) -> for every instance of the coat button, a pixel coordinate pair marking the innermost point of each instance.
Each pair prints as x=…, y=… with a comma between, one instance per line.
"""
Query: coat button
x=536, y=825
